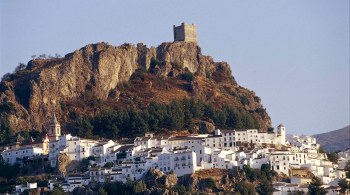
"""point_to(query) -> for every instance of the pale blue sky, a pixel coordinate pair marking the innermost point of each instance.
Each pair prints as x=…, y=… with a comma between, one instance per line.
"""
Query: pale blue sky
x=293, y=53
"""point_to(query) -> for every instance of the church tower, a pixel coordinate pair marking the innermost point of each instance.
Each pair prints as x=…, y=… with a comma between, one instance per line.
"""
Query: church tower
x=54, y=128
x=281, y=132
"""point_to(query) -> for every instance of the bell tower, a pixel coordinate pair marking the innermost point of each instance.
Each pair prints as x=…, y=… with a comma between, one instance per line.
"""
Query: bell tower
x=281, y=132
x=54, y=128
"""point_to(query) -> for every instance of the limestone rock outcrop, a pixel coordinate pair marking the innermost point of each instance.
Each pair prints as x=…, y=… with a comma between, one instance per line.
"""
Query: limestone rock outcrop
x=156, y=178
x=46, y=85
x=62, y=163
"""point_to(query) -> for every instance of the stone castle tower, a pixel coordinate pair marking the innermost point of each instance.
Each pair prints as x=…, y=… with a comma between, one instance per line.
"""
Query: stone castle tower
x=185, y=32
x=54, y=128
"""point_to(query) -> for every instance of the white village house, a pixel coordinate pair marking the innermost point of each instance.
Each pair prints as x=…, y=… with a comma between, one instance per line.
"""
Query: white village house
x=225, y=149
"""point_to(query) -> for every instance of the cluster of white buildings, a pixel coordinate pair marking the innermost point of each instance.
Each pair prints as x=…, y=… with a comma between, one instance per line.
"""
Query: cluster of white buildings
x=295, y=157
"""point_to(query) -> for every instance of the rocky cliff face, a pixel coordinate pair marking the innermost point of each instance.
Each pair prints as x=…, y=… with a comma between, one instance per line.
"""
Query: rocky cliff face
x=30, y=96
x=157, y=179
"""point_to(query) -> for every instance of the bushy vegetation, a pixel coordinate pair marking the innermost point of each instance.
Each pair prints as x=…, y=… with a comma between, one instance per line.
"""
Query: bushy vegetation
x=130, y=187
x=263, y=177
x=154, y=63
x=157, y=117
x=7, y=173
x=333, y=157
x=139, y=74
x=6, y=133
x=344, y=185
x=22, y=91
x=187, y=76
x=208, y=183
x=261, y=184
x=315, y=187
x=7, y=107
x=347, y=169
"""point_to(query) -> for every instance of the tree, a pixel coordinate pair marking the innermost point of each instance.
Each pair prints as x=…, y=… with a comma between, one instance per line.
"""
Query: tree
x=321, y=150
x=176, y=115
x=344, y=185
x=42, y=56
x=118, y=188
x=83, y=128
x=6, y=133
x=140, y=186
x=315, y=187
x=187, y=76
x=8, y=171
x=347, y=169
x=334, y=157
x=101, y=191
x=266, y=168
x=57, y=190
x=108, y=165
x=208, y=183
x=270, y=129
x=180, y=189
x=21, y=66
x=245, y=188
x=250, y=173
x=265, y=187
x=6, y=77
x=220, y=118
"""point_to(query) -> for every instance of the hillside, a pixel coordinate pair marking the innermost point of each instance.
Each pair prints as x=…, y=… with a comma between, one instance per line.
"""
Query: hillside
x=100, y=77
x=338, y=140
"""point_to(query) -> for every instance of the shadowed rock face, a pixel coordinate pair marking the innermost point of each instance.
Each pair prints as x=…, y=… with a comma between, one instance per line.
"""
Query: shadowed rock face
x=96, y=69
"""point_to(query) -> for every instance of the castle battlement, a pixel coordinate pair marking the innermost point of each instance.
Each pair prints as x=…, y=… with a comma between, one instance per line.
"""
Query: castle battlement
x=185, y=32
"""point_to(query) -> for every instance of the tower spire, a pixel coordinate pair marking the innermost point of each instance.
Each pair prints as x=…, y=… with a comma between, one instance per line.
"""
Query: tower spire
x=54, y=119
x=54, y=128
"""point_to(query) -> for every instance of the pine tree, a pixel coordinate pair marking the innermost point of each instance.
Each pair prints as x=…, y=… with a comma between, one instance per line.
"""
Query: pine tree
x=315, y=187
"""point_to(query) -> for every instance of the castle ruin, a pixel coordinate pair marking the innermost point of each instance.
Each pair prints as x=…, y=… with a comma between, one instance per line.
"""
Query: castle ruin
x=185, y=32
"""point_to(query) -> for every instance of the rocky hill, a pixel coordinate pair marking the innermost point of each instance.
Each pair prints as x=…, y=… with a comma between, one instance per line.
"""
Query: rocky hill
x=333, y=141
x=102, y=77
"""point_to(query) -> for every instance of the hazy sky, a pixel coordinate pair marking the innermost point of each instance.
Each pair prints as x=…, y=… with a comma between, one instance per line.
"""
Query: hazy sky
x=293, y=53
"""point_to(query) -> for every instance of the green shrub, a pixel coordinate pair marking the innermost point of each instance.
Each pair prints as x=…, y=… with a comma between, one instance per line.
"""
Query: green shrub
x=244, y=100
x=139, y=74
x=154, y=62
x=208, y=183
x=187, y=76
x=7, y=107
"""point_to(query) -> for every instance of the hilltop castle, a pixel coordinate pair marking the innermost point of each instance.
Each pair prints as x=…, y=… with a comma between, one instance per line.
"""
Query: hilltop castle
x=185, y=32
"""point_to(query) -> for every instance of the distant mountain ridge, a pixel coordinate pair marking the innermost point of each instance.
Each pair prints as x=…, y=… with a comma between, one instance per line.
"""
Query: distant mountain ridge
x=334, y=140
